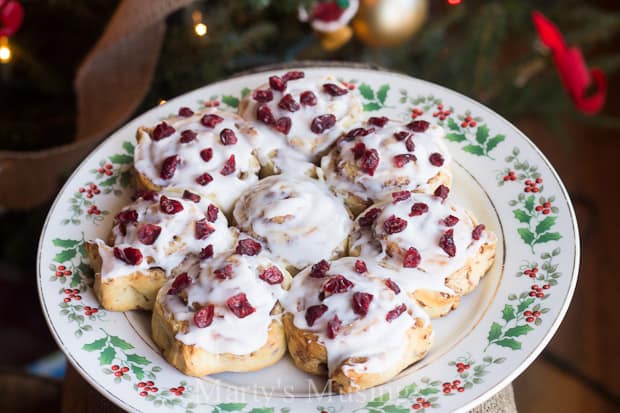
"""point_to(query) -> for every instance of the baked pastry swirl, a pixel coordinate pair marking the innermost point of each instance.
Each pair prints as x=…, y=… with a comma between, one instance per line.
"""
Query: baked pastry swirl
x=349, y=320
x=150, y=238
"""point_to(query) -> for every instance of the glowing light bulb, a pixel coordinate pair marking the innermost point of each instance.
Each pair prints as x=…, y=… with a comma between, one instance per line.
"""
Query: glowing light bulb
x=454, y=2
x=5, y=50
x=162, y=101
x=200, y=29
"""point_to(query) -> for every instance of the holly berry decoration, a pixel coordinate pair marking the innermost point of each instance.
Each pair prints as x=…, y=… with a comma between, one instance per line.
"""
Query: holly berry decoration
x=11, y=17
x=330, y=19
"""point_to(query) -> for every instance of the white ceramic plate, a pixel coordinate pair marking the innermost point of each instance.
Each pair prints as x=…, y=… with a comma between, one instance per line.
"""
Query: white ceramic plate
x=495, y=334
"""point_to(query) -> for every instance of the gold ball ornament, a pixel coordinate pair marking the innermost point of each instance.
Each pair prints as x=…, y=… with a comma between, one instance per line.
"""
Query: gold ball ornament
x=389, y=22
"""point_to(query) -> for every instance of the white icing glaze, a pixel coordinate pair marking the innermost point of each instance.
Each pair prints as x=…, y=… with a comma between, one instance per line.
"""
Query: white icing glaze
x=227, y=333
x=343, y=174
x=369, y=336
x=298, y=218
x=176, y=240
x=346, y=108
x=224, y=189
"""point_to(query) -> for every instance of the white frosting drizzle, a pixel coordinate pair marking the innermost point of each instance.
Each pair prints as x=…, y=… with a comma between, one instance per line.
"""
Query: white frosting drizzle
x=370, y=336
x=176, y=240
x=298, y=218
x=224, y=189
x=227, y=333
x=343, y=174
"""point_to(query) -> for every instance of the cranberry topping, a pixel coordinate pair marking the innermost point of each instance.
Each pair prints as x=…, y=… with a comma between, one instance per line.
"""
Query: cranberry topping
x=369, y=161
x=360, y=267
x=185, y=112
x=354, y=133
x=203, y=229
x=307, y=98
x=148, y=233
x=283, y=125
x=169, y=206
x=319, y=270
x=129, y=255
x=211, y=120
x=126, y=217
x=442, y=192
x=204, y=179
x=206, y=154
x=262, y=96
x=146, y=195
x=288, y=103
x=271, y=275
x=334, y=90
x=277, y=83
x=315, y=312
x=181, y=282
x=412, y=258
x=392, y=286
x=337, y=284
x=378, y=121
x=190, y=196
x=161, y=131
x=361, y=302
x=418, y=208
x=263, y=114
x=400, y=196
x=409, y=144
x=229, y=167
x=224, y=273
x=169, y=166
x=204, y=317
x=403, y=159
x=477, y=232
x=240, y=306
x=228, y=137
x=395, y=313
x=293, y=75
x=322, y=123
x=418, y=125
x=446, y=242
x=358, y=150
x=436, y=159
x=248, y=247
x=450, y=221
x=333, y=327
x=402, y=135
x=394, y=225
x=370, y=217
x=206, y=252
x=212, y=212
x=187, y=136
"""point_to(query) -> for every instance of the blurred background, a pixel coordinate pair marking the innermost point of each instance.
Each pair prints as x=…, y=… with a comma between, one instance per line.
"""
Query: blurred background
x=488, y=50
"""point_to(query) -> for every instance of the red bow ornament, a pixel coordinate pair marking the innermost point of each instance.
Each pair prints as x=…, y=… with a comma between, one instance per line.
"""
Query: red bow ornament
x=11, y=17
x=572, y=68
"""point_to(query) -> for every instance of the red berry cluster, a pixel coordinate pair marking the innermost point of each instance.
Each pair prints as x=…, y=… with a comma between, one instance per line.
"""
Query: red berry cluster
x=415, y=112
x=531, y=316
x=93, y=210
x=212, y=103
x=61, y=270
x=105, y=169
x=461, y=367
x=90, y=190
x=510, y=176
x=72, y=294
x=147, y=386
x=440, y=113
x=177, y=391
x=420, y=403
x=348, y=85
x=455, y=385
x=544, y=207
x=119, y=371
x=532, y=186
x=537, y=290
x=88, y=310
x=468, y=121
x=531, y=272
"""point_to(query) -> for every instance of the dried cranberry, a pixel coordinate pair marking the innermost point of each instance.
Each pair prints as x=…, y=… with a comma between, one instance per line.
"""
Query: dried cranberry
x=337, y=284
x=228, y=137
x=191, y=196
x=288, y=103
x=126, y=217
x=402, y=159
x=418, y=208
x=283, y=125
x=436, y=159
x=418, y=125
x=185, y=112
x=129, y=255
x=401, y=135
x=442, y=192
x=361, y=302
x=248, y=247
x=370, y=217
x=293, y=75
x=206, y=252
x=146, y=195
x=271, y=275
x=203, y=229
x=169, y=206
x=187, y=136
x=181, y=282
x=334, y=90
x=477, y=232
x=224, y=273
x=229, y=167
x=395, y=313
x=446, y=242
x=369, y=161
x=333, y=327
x=392, y=286
x=240, y=306
x=409, y=144
x=277, y=83
x=360, y=267
x=358, y=150
x=412, y=258
x=161, y=131
x=204, y=317
x=322, y=123
x=263, y=114
x=354, y=133
x=315, y=312
x=206, y=154
x=169, y=166
x=262, y=96
x=394, y=225
x=204, y=179
x=450, y=221
x=319, y=270
x=400, y=196
x=307, y=98
x=211, y=120
x=378, y=121
x=148, y=233
x=212, y=212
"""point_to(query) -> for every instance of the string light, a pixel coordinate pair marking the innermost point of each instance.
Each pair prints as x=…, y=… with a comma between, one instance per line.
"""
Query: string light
x=5, y=50
x=199, y=27
x=161, y=102
x=454, y=2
